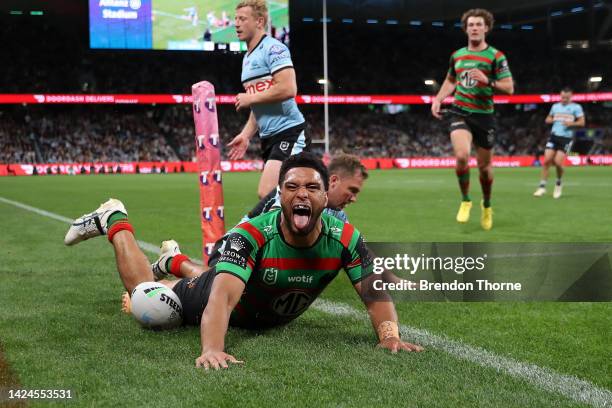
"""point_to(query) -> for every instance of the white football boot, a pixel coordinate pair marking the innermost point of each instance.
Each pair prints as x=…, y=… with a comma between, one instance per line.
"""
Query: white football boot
x=93, y=224
x=168, y=249
x=558, y=191
x=539, y=192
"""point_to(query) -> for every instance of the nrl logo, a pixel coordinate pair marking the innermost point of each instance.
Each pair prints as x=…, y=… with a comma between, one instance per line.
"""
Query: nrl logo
x=335, y=230
x=270, y=275
x=267, y=229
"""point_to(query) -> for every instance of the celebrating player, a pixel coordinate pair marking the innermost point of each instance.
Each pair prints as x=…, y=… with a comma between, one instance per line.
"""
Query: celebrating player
x=269, y=81
x=272, y=267
x=563, y=116
x=476, y=72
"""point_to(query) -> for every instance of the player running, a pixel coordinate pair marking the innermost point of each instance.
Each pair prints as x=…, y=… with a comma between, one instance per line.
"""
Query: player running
x=476, y=72
x=272, y=267
x=563, y=116
x=269, y=81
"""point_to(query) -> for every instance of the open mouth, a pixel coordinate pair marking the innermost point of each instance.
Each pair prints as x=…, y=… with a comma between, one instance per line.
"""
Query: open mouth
x=301, y=215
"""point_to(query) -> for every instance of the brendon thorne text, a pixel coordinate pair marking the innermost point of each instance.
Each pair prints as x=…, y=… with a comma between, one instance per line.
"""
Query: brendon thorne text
x=425, y=285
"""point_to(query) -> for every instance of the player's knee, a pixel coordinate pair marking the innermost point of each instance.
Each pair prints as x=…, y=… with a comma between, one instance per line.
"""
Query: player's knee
x=462, y=159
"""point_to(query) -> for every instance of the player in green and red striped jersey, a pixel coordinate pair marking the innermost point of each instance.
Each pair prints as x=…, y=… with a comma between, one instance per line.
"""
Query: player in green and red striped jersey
x=476, y=72
x=271, y=269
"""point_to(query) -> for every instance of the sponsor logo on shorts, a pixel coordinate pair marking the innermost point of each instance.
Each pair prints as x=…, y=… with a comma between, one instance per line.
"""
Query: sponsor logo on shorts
x=291, y=303
x=284, y=146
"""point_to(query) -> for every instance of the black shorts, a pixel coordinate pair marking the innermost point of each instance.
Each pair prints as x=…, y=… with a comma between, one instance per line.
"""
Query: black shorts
x=193, y=294
x=559, y=143
x=287, y=143
x=482, y=126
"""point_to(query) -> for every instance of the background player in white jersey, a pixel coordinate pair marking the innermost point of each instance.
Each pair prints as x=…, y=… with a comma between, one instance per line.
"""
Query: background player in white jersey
x=269, y=81
x=563, y=116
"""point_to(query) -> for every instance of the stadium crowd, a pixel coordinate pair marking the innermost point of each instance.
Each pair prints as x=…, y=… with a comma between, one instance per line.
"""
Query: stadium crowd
x=52, y=135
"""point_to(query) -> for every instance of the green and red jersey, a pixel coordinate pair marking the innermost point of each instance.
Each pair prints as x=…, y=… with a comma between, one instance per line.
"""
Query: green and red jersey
x=471, y=95
x=282, y=281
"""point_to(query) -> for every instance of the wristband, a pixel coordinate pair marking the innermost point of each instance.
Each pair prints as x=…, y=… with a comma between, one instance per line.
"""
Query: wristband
x=492, y=83
x=387, y=329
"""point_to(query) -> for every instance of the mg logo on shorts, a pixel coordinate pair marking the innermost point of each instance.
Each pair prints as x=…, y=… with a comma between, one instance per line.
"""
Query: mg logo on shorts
x=466, y=81
x=291, y=303
x=270, y=275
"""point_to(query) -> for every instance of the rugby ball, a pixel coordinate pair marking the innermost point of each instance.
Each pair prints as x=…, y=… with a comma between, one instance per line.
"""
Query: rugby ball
x=156, y=306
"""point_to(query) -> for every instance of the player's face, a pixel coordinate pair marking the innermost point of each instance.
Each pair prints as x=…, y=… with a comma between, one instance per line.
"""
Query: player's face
x=303, y=199
x=566, y=97
x=246, y=23
x=343, y=190
x=476, y=29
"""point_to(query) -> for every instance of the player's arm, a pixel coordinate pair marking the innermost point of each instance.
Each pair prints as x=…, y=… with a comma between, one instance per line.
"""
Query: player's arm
x=578, y=122
x=446, y=90
x=505, y=85
x=502, y=81
x=550, y=119
x=358, y=263
x=225, y=294
x=383, y=316
x=240, y=143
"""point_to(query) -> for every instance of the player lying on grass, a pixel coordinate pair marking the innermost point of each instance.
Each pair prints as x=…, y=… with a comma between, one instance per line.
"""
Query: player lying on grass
x=272, y=267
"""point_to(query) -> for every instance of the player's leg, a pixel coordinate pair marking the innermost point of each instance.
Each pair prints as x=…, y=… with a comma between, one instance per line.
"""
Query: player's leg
x=485, y=169
x=549, y=155
x=111, y=219
x=269, y=177
x=172, y=261
x=461, y=139
x=559, y=160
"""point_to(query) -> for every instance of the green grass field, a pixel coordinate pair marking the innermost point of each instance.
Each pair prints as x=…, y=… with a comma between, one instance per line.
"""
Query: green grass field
x=61, y=325
x=172, y=23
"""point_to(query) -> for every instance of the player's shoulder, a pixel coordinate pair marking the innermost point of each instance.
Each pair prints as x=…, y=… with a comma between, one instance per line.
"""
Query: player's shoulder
x=272, y=45
x=261, y=229
x=460, y=52
x=495, y=52
x=343, y=232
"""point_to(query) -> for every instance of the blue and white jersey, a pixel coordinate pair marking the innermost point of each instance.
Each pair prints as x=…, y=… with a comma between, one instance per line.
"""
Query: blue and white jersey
x=562, y=113
x=258, y=66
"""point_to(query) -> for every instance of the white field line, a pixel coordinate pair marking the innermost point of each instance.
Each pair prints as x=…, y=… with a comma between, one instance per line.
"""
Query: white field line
x=544, y=378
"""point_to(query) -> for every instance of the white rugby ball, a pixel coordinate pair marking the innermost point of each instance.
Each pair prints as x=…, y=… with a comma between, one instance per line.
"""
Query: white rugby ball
x=156, y=306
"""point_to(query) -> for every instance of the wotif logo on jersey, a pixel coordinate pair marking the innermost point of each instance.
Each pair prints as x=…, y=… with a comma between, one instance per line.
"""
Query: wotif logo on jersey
x=300, y=279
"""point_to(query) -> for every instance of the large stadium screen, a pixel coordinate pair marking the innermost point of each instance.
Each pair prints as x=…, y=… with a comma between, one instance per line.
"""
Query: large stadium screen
x=194, y=25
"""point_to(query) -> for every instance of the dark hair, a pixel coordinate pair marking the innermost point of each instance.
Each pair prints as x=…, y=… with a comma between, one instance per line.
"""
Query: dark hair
x=304, y=159
x=566, y=89
x=478, y=12
x=347, y=165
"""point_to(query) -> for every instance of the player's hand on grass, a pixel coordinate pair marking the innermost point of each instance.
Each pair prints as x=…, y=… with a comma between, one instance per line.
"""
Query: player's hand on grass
x=243, y=101
x=478, y=75
x=435, y=108
x=216, y=360
x=394, y=345
x=239, y=146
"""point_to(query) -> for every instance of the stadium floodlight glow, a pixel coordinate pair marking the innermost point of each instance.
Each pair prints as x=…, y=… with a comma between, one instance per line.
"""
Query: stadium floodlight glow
x=429, y=82
x=347, y=20
x=556, y=13
x=15, y=12
x=415, y=23
x=595, y=79
x=392, y=22
x=307, y=19
x=577, y=9
x=325, y=20
x=36, y=13
x=322, y=81
x=598, y=5
x=506, y=26
x=526, y=27
x=437, y=23
x=372, y=21
x=458, y=25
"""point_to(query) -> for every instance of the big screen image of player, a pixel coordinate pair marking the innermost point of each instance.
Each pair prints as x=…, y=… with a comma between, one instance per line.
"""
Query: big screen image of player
x=173, y=24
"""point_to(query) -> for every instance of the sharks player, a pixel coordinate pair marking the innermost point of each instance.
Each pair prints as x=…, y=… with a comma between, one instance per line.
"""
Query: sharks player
x=271, y=270
x=564, y=116
x=270, y=87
